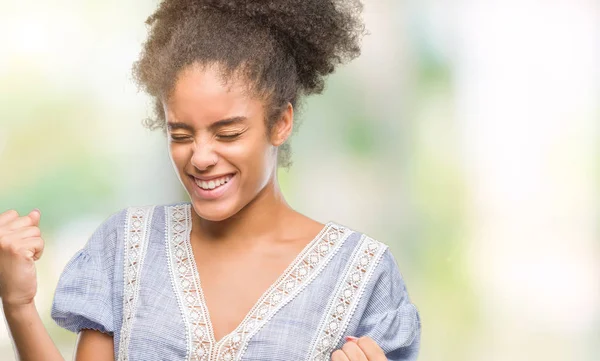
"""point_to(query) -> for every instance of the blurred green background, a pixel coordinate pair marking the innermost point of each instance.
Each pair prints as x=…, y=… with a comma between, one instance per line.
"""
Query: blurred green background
x=465, y=137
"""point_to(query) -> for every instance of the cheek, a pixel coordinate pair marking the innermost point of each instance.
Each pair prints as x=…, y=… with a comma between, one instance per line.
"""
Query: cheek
x=178, y=154
x=252, y=157
x=252, y=153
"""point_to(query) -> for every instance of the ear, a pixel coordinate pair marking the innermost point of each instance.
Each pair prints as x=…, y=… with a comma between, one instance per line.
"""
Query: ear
x=283, y=127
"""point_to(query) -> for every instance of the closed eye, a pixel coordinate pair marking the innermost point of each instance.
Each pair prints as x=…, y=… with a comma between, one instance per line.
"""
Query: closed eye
x=180, y=138
x=228, y=136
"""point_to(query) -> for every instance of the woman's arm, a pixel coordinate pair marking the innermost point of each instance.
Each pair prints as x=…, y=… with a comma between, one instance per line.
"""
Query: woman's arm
x=94, y=345
x=20, y=246
x=31, y=339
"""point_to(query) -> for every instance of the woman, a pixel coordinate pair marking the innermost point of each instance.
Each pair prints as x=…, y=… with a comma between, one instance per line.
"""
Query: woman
x=234, y=274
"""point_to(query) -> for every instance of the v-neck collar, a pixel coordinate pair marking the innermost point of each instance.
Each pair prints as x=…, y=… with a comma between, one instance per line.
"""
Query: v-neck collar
x=201, y=343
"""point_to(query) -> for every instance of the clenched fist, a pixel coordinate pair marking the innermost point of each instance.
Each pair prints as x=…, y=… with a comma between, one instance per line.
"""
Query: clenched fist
x=359, y=349
x=20, y=246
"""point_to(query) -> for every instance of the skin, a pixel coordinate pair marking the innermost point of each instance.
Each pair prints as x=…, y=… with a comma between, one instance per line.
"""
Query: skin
x=214, y=128
x=359, y=349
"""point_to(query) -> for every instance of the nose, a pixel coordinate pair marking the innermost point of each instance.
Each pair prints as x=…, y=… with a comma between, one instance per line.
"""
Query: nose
x=204, y=156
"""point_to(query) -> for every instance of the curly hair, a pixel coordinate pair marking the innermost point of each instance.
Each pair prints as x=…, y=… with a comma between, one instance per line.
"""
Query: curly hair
x=283, y=48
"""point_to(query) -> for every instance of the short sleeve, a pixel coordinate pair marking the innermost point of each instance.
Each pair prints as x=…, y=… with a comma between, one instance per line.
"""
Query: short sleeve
x=389, y=317
x=84, y=295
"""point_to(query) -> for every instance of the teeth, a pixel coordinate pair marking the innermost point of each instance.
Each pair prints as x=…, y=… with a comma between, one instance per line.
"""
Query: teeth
x=212, y=184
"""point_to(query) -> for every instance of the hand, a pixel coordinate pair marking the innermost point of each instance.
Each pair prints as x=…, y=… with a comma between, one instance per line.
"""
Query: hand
x=20, y=246
x=359, y=349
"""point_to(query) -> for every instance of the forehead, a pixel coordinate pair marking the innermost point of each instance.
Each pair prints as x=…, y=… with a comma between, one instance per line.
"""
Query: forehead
x=202, y=94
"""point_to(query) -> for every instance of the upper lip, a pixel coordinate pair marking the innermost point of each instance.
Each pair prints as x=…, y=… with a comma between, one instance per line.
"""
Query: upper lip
x=209, y=178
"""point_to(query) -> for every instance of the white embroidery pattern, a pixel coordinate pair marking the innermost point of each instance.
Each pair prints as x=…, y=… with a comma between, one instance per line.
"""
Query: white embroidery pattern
x=135, y=244
x=301, y=272
x=185, y=279
x=346, y=296
x=201, y=345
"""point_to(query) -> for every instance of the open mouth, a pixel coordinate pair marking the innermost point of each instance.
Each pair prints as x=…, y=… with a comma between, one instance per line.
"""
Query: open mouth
x=213, y=183
x=213, y=188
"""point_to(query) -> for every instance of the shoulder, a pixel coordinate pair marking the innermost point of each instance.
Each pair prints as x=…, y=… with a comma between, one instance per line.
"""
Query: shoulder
x=378, y=267
x=140, y=216
x=366, y=246
x=133, y=219
x=375, y=258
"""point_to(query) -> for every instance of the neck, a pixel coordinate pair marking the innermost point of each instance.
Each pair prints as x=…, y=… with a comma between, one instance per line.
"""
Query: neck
x=256, y=221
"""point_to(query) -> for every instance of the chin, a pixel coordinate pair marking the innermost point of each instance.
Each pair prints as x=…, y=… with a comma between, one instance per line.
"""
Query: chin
x=212, y=212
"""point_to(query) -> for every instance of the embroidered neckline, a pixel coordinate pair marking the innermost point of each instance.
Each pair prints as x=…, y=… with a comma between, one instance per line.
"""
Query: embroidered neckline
x=201, y=344
x=185, y=281
x=135, y=243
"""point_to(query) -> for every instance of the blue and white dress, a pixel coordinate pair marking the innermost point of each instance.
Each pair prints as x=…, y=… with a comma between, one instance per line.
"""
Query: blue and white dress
x=136, y=279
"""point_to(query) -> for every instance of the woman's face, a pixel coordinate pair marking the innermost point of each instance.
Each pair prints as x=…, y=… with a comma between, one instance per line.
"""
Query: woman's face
x=218, y=142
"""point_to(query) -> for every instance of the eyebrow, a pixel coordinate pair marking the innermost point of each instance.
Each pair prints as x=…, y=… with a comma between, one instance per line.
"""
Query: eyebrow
x=215, y=125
